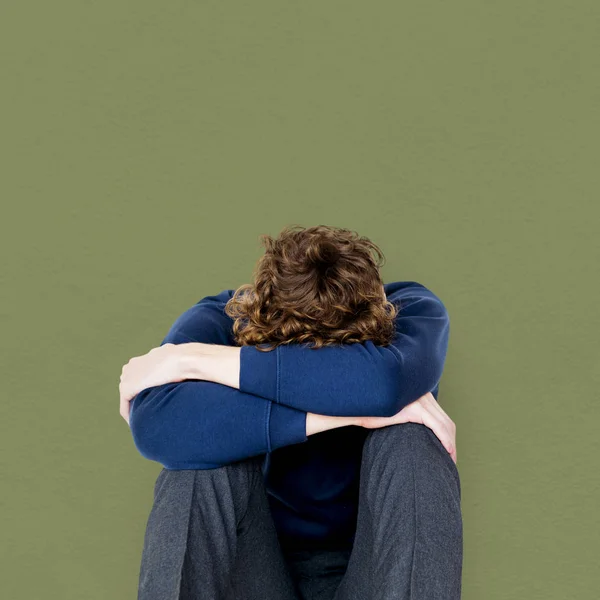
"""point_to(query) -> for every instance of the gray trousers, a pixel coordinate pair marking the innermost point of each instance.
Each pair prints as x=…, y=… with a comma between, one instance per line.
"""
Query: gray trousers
x=210, y=534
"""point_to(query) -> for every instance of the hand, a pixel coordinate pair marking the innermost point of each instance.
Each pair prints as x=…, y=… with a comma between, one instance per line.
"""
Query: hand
x=160, y=365
x=426, y=411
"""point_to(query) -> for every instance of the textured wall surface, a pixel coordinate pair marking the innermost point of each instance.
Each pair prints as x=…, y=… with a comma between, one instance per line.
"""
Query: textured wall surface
x=146, y=145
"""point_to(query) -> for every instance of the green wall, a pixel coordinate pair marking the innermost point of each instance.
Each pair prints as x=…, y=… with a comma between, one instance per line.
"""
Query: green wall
x=146, y=145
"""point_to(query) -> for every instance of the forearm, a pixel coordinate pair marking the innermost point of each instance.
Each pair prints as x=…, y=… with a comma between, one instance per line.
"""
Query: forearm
x=221, y=364
x=199, y=424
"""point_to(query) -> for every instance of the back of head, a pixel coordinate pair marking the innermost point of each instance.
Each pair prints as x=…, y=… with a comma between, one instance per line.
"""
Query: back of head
x=319, y=285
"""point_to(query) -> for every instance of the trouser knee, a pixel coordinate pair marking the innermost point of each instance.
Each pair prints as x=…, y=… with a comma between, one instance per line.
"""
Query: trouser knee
x=396, y=449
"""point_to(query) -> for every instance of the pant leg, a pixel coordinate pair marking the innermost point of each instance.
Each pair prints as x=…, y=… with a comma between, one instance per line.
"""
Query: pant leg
x=210, y=535
x=409, y=535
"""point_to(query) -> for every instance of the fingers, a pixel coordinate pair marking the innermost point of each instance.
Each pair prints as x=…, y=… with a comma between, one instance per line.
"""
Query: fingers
x=443, y=432
x=124, y=411
x=124, y=405
x=441, y=424
x=426, y=411
x=429, y=400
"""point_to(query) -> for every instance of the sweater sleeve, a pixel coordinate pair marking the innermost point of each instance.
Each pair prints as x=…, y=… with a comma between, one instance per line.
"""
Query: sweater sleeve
x=360, y=379
x=200, y=424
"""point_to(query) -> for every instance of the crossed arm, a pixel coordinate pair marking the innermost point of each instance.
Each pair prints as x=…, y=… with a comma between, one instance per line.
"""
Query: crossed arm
x=252, y=402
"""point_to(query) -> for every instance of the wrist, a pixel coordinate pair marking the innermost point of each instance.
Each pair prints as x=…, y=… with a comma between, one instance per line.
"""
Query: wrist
x=211, y=362
x=192, y=361
x=316, y=423
x=198, y=360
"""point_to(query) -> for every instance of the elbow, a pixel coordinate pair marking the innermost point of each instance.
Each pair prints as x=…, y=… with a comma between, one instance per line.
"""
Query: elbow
x=396, y=402
x=402, y=392
x=393, y=405
x=161, y=432
x=148, y=419
x=389, y=399
x=142, y=423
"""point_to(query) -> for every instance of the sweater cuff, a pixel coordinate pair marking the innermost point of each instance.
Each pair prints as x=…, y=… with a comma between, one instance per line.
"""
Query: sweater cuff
x=258, y=372
x=286, y=426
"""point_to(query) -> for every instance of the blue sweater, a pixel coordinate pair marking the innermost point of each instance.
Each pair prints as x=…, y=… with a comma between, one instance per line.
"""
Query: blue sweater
x=312, y=482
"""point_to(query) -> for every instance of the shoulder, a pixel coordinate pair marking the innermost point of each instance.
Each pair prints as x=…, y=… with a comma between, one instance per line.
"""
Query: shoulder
x=205, y=321
x=412, y=293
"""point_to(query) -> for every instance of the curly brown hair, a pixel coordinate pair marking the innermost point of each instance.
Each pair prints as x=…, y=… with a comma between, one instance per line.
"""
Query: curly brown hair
x=318, y=285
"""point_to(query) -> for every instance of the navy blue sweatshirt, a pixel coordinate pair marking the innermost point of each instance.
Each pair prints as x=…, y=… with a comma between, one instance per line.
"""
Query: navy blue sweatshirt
x=312, y=482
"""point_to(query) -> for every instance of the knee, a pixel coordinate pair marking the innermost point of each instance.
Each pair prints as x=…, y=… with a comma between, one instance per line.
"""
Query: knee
x=397, y=448
x=396, y=441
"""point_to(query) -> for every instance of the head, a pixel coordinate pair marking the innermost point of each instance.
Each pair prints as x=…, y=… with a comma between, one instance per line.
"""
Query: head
x=319, y=285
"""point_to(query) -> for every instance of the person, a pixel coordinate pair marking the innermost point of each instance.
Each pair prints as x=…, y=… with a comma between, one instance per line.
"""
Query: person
x=304, y=453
